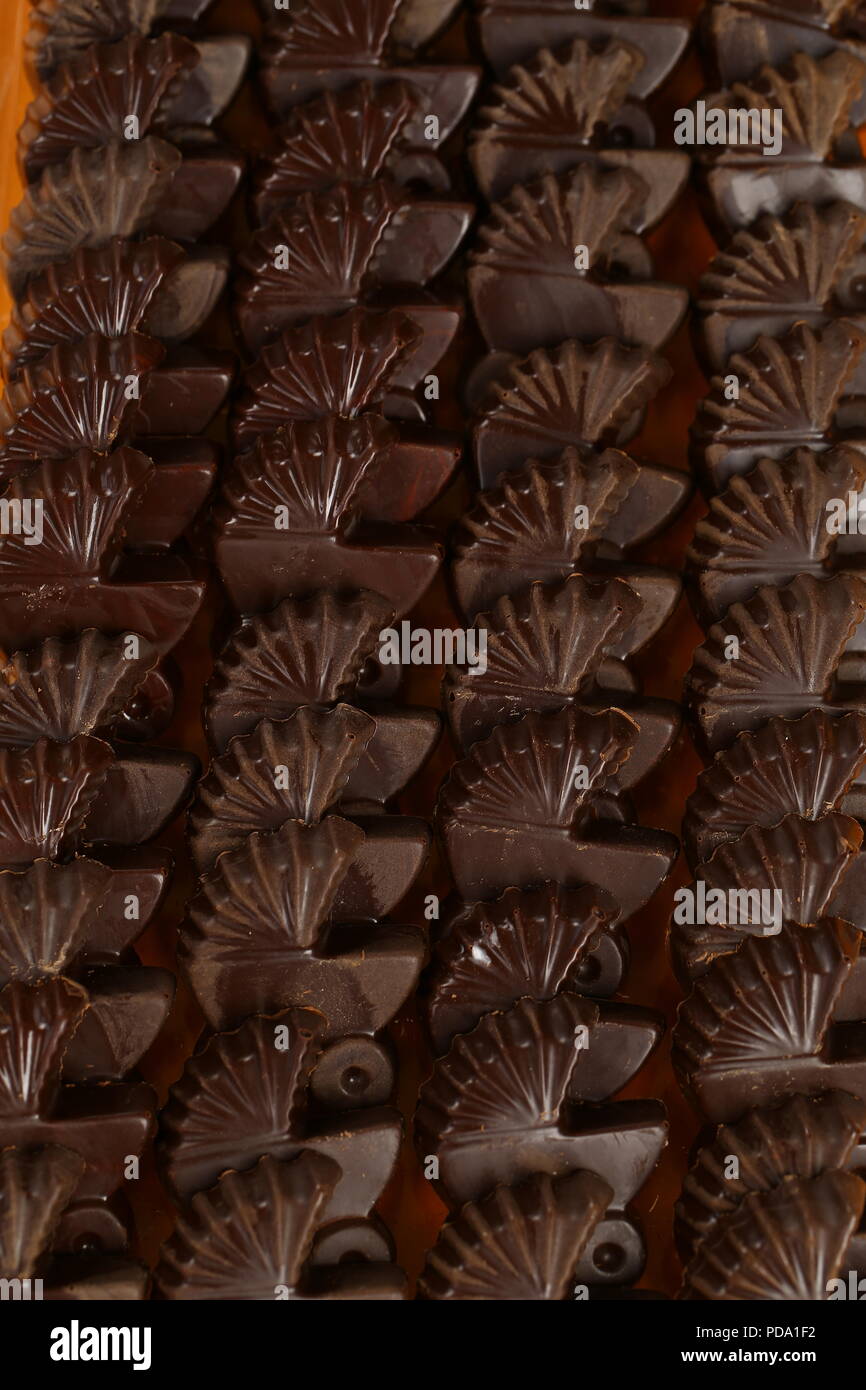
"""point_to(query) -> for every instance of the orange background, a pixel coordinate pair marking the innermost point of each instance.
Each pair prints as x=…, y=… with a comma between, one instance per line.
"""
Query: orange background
x=682, y=248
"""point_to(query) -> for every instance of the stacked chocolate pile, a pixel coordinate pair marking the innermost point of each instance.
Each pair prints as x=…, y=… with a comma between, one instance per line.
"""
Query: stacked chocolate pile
x=769, y=1043
x=519, y=1125
x=102, y=404
x=281, y=1134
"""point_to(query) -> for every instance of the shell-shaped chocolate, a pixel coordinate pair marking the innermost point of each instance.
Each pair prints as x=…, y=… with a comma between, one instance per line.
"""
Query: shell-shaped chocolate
x=94, y=196
x=511, y=1073
x=104, y=290
x=520, y=1243
x=576, y=393
x=331, y=366
x=80, y=396
x=528, y=944
x=46, y=915
x=240, y=1087
x=251, y=1234
x=61, y=29
x=802, y=766
x=793, y=260
x=800, y=1138
x=771, y=524
x=332, y=238
x=787, y=1244
x=37, y=1022
x=315, y=30
x=544, y=770
x=786, y=386
x=552, y=639
x=771, y=999
x=815, y=96
x=274, y=893
x=46, y=793
x=294, y=770
x=340, y=137
x=61, y=689
x=308, y=651
x=789, y=642
x=541, y=224
x=35, y=1186
x=303, y=477
x=549, y=514
x=572, y=92
x=92, y=100
x=84, y=501
x=803, y=860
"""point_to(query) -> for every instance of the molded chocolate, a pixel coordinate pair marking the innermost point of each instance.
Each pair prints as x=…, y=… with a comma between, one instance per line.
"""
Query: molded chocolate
x=803, y=766
x=800, y=1138
x=251, y=1238
x=789, y=394
x=548, y=520
x=508, y=1101
x=808, y=265
x=529, y=804
x=789, y=657
x=573, y=395
x=761, y=1023
x=259, y=936
x=528, y=944
x=247, y=1094
x=521, y=1243
x=770, y=525
x=786, y=1244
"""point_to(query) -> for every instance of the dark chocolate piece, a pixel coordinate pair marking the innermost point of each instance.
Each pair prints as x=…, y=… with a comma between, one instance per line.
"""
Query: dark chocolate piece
x=519, y=1244
x=547, y=520
x=787, y=1244
x=788, y=393
x=85, y=500
x=568, y=107
x=774, y=523
x=528, y=944
x=779, y=654
x=527, y=288
x=125, y=286
x=105, y=1124
x=530, y=804
x=62, y=29
x=259, y=938
x=804, y=766
x=304, y=767
x=109, y=94
x=332, y=250
x=249, y=1093
x=819, y=160
x=761, y=1024
x=806, y=266
x=61, y=689
x=306, y=652
x=574, y=395
x=814, y=866
x=252, y=1238
x=352, y=136
x=298, y=50
x=800, y=1138
x=512, y=30
x=288, y=521
x=565, y=644
x=508, y=1101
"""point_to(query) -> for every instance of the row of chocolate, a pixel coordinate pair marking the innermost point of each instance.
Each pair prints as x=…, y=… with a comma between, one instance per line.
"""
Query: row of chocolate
x=281, y=1135
x=529, y=1144
x=104, y=467
x=769, y=1042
